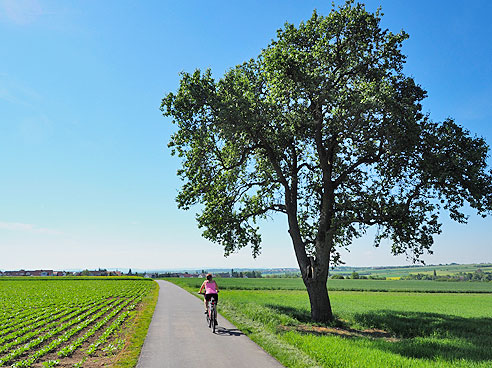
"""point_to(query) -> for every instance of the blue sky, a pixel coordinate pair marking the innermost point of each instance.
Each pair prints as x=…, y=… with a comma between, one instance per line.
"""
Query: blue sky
x=86, y=179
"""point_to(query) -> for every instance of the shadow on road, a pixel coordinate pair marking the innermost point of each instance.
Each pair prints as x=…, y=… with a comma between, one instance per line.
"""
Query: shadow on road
x=222, y=331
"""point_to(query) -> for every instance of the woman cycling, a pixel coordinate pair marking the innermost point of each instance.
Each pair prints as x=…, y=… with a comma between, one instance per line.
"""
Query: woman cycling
x=211, y=290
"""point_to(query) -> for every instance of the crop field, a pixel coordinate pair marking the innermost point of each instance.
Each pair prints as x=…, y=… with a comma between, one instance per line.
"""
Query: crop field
x=420, y=286
x=65, y=322
x=372, y=328
x=441, y=270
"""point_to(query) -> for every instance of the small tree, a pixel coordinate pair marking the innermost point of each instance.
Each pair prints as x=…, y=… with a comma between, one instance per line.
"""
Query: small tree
x=324, y=127
x=337, y=277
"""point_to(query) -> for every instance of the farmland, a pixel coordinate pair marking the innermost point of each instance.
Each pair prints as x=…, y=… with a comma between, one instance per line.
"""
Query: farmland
x=424, y=327
x=65, y=322
x=402, y=271
x=348, y=285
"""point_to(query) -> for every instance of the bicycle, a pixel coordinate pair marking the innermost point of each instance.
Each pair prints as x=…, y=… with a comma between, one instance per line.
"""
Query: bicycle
x=211, y=315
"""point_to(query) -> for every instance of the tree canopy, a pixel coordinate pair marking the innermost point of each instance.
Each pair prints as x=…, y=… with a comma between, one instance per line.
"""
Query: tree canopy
x=324, y=127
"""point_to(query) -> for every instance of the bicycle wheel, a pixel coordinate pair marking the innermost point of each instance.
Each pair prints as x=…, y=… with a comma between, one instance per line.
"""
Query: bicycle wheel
x=210, y=316
x=214, y=319
x=207, y=315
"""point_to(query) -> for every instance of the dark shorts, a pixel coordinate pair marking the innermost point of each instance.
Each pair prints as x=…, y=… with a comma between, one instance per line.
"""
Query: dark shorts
x=209, y=296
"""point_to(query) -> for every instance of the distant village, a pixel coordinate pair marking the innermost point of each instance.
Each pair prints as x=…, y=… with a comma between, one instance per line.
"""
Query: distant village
x=104, y=272
x=49, y=273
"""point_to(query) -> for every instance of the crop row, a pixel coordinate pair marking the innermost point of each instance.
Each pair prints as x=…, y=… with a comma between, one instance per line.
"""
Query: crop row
x=23, y=319
x=12, y=318
x=32, y=343
x=20, y=296
x=48, y=316
x=29, y=333
x=31, y=324
x=113, y=327
x=109, y=331
x=69, y=349
x=52, y=345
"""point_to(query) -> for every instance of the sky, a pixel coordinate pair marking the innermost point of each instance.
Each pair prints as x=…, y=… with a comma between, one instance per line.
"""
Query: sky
x=86, y=178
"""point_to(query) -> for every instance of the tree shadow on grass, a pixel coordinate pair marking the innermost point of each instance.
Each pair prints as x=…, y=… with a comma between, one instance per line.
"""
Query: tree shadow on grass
x=301, y=315
x=410, y=334
x=304, y=316
x=432, y=335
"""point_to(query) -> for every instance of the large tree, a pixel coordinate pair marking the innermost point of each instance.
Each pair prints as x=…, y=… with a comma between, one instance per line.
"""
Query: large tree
x=324, y=127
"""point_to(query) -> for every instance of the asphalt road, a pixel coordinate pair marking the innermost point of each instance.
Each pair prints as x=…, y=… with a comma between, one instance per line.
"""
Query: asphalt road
x=179, y=337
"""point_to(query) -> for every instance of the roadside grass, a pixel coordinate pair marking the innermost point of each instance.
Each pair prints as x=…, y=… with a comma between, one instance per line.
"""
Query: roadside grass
x=134, y=333
x=372, y=329
x=263, y=331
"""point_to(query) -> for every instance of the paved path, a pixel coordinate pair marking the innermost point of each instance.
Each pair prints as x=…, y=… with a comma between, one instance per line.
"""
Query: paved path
x=179, y=337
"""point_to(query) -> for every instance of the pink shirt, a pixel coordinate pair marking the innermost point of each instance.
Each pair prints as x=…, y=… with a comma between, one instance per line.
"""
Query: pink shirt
x=210, y=287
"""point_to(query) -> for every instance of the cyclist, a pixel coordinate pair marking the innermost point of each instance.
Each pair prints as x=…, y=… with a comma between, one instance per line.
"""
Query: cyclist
x=211, y=290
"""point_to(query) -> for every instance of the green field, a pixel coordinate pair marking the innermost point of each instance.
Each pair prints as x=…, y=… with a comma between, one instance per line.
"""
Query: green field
x=349, y=285
x=401, y=271
x=60, y=321
x=372, y=329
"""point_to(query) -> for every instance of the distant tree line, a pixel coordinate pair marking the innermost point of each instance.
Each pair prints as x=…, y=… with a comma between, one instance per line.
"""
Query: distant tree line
x=246, y=274
x=356, y=276
x=284, y=275
x=478, y=275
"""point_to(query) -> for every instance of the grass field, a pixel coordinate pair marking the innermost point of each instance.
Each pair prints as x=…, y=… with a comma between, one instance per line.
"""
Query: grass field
x=349, y=285
x=372, y=329
x=71, y=322
x=441, y=270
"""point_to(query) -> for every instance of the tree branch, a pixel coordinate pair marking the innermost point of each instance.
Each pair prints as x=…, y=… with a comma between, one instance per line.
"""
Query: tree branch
x=306, y=164
x=277, y=207
x=356, y=164
x=242, y=159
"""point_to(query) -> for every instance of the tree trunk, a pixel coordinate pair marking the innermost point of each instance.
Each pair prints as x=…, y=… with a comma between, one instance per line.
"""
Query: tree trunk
x=314, y=271
x=319, y=299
